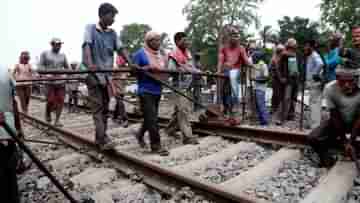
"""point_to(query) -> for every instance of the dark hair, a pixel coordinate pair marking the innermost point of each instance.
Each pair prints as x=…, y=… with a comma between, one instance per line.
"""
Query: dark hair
x=179, y=35
x=107, y=8
x=313, y=43
x=24, y=52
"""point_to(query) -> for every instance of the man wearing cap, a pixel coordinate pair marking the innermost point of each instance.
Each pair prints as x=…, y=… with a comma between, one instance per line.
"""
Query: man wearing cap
x=100, y=43
x=54, y=60
x=8, y=159
x=343, y=102
x=288, y=73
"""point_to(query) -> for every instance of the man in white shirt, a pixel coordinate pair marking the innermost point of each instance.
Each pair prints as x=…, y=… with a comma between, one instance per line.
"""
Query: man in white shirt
x=314, y=65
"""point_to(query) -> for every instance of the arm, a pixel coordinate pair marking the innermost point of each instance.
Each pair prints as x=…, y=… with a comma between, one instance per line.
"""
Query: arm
x=66, y=64
x=244, y=57
x=42, y=62
x=15, y=71
x=87, y=49
x=221, y=60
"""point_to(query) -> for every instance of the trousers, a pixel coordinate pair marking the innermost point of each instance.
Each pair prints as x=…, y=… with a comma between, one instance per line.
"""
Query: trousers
x=261, y=109
x=150, y=107
x=234, y=75
x=24, y=93
x=8, y=184
x=120, y=110
x=99, y=104
x=180, y=119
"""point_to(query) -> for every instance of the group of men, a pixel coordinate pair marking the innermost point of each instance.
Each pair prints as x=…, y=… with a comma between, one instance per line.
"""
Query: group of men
x=338, y=76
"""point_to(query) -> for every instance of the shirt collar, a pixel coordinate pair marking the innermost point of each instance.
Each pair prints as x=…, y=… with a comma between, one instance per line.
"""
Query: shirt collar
x=99, y=28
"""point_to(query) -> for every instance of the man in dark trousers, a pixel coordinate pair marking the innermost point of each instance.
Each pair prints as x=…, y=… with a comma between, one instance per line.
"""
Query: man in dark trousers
x=8, y=184
x=343, y=102
x=100, y=43
x=288, y=73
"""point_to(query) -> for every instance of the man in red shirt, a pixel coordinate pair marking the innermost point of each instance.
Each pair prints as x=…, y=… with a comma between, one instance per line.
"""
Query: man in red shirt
x=232, y=59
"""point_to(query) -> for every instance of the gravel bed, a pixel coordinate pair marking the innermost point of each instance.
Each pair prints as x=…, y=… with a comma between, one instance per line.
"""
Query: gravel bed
x=293, y=182
x=202, y=151
x=234, y=166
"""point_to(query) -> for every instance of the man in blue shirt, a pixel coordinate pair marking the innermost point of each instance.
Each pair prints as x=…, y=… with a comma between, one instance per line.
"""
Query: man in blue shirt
x=332, y=58
x=150, y=59
x=100, y=43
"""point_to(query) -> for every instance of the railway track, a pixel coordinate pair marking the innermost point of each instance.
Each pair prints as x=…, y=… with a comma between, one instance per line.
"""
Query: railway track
x=231, y=164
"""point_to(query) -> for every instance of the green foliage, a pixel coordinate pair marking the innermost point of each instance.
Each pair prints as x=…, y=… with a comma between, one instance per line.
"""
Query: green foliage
x=299, y=28
x=132, y=35
x=207, y=19
x=268, y=35
x=341, y=14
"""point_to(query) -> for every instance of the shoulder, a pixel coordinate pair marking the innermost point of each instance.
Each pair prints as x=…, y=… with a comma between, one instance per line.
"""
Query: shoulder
x=139, y=55
x=44, y=53
x=331, y=87
x=139, y=52
x=90, y=27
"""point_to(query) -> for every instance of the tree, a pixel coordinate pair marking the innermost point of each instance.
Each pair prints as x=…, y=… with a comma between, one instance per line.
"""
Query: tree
x=299, y=28
x=207, y=20
x=267, y=35
x=132, y=35
x=341, y=14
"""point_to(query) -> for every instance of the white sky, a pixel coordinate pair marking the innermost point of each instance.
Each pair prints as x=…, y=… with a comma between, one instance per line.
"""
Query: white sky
x=30, y=24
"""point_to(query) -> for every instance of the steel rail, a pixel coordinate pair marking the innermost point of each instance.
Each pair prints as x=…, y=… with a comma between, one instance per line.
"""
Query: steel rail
x=126, y=70
x=270, y=136
x=74, y=79
x=211, y=189
x=280, y=137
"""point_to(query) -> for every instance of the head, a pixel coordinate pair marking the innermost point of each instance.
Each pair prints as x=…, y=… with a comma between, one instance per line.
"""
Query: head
x=356, y=36
x=56, y=44
x=279, y=49
x=181, y=40
x=251, y=47
x=24, y=57
x=234, y=37
x=309, y=47
x=335, y=40
x=74, y=65
x=347, y=82
x=153, y=40
x=107, y=13
x=291, y=44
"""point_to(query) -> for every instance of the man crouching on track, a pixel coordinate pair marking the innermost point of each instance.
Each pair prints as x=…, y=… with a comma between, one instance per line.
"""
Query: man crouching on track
x=150, y=60
x=100, y=42
x=8, y=184
x=343, y=101
x=180, y=60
